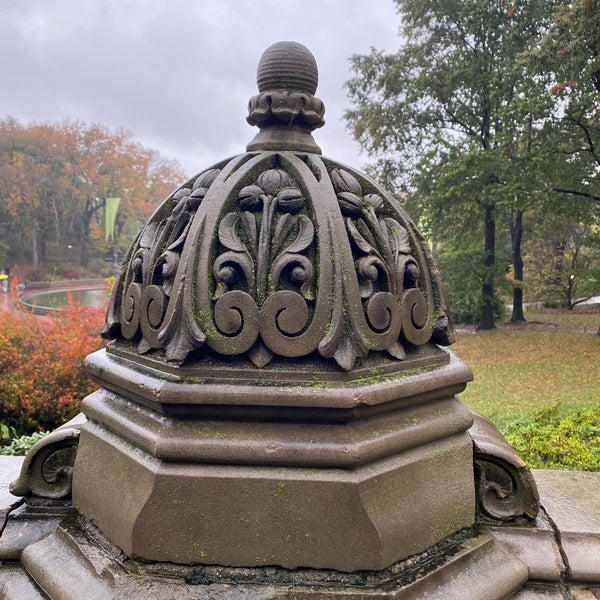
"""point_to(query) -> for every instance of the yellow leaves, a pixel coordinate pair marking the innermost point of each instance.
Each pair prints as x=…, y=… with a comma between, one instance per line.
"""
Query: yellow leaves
x=562, y=85
x=56, y=177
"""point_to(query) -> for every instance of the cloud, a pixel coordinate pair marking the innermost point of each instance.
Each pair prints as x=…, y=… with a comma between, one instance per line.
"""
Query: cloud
x=178, y=74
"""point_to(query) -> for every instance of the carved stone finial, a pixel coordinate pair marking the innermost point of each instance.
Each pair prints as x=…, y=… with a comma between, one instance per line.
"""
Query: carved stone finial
x=286, y=109
x=280, y=254
x=287, y=66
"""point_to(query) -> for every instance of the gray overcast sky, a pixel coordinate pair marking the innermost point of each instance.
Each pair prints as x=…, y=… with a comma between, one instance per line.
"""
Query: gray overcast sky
x=178, y=74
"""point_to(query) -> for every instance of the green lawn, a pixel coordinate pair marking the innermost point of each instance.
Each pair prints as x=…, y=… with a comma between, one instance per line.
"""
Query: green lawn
x=519, y=372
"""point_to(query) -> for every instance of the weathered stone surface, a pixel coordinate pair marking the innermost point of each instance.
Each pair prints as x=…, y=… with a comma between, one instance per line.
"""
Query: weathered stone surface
x=543, y=592
x=274, y=386
x=10, y=467
x=289, y=441
x=540, y=592
x=15, y=584
x=24, y=529
x=506, y=490
x=525, y=547
x=572, y=499
x=47, y=469
x=353, y=472
x=290, y=391
x=276, y=418
x=88, y=567
x=294, y=517
x=71, y=567
x=536, y=545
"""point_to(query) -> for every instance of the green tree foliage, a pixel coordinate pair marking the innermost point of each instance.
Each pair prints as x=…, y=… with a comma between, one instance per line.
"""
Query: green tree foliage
x=54, y=181
x=462, y=118
x=571, y=52
x=565, y=262
x=452, y=103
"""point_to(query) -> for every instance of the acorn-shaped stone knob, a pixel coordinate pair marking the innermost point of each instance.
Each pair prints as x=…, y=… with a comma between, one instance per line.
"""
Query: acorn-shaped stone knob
x=287, y=66
x=286, y=110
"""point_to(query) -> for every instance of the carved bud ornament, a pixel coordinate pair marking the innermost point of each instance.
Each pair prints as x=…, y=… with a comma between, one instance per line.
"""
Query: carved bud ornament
x=279, y=252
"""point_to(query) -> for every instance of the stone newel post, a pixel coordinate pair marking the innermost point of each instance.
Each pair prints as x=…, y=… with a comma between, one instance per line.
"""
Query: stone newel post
x=274, y=396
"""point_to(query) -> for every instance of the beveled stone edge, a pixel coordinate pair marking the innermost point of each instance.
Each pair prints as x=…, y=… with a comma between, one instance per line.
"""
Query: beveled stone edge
x=333, y=445
x=94, y=565
x=161, y=390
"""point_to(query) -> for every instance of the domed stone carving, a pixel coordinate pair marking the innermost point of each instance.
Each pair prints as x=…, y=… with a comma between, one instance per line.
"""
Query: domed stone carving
x=274, y=414
x=280, y=253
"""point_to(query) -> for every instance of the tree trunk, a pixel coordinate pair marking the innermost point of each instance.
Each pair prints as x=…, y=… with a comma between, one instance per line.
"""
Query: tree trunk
x=86, y=219
x=516, y=235
x=83, y=248
x=92, y=206
x=487, y=303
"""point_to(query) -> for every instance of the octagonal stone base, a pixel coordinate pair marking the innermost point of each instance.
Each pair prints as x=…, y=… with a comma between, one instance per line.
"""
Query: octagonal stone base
x=364, y=518
x=197, y=467
x=46, y=551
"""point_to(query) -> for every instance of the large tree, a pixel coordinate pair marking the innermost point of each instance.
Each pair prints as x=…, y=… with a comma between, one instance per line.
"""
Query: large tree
x=570, y=52
x=454, y=104
x=55, y=178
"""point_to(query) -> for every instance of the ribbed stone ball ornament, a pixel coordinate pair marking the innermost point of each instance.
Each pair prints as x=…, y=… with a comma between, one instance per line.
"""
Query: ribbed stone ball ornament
x=287, y=66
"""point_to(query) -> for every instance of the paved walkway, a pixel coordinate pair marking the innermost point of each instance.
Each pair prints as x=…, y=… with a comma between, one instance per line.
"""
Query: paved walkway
x=10, y=466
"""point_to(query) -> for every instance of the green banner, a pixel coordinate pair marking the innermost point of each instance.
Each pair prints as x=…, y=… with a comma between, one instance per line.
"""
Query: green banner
x=110, y=215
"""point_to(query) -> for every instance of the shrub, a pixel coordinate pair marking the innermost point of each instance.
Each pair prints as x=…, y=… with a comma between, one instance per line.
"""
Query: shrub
x=41, y=360
x=36, y=276
x=548, y=440
x=68, y=273
x=462, y=273
x=21, y=445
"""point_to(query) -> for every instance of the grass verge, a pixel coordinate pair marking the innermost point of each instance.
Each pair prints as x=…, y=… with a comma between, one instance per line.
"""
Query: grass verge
x=517, y=373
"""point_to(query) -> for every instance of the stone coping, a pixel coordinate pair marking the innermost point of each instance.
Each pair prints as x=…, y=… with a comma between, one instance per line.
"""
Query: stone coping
x=63, y=284
x=563, y=545
x=10, y=467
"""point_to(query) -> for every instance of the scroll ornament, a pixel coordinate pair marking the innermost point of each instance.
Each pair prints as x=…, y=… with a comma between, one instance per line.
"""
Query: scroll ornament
x=279, y=254
x=47, y=469
x=506, y=489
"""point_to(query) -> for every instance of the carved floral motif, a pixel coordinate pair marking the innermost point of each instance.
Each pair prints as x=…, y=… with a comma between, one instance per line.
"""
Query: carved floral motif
x=279, y=254
x=384, y=264
x=143, y=292
x=264, y=276
x=286, y=107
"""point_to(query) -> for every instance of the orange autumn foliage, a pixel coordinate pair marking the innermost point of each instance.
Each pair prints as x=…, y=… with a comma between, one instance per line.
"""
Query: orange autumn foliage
x=42, y=375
